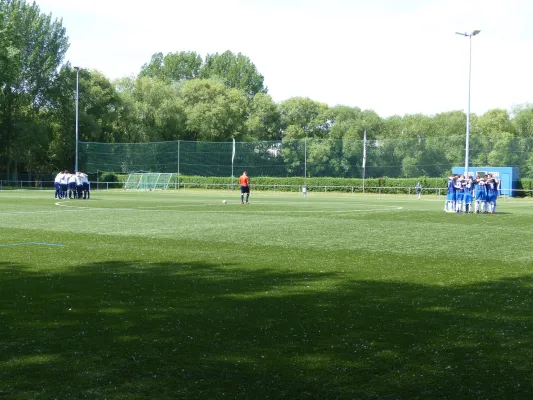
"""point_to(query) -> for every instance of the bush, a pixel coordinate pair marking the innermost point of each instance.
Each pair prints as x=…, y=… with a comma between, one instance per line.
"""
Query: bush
x=525, y=184
x=109, y=177
x=372, y=185
x=295, y=184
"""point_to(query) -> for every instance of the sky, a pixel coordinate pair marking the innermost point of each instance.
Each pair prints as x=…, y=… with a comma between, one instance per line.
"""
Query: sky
x=395, y=57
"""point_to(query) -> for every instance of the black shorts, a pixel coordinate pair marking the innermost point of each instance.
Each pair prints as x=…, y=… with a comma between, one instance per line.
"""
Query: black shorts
x=245, y=189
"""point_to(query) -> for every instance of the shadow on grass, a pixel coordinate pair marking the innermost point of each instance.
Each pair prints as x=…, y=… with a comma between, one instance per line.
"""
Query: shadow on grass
x=169, y=330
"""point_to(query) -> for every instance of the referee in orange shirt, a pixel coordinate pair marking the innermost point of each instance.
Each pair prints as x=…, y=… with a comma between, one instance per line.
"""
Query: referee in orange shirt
x=244, y=181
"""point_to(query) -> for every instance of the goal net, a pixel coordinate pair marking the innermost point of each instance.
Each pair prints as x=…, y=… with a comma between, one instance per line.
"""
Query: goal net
x=148, y=181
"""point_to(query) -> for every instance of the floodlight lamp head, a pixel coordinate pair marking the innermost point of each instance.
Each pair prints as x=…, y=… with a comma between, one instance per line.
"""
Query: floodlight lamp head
x=77, y=68
x=475, y=32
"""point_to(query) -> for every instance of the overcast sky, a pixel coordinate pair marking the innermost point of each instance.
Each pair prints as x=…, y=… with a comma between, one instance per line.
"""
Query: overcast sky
x=391, y=56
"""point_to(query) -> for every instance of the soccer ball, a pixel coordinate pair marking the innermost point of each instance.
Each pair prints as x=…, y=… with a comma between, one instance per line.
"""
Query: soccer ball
x=224, y=201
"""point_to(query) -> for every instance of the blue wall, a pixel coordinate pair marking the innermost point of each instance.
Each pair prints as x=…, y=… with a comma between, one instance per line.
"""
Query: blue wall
x=508, y=176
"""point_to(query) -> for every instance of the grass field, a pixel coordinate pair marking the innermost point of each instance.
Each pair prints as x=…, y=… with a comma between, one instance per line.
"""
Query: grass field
x=173, y=295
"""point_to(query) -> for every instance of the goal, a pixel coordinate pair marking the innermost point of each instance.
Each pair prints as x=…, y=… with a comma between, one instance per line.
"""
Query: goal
x=148, y=181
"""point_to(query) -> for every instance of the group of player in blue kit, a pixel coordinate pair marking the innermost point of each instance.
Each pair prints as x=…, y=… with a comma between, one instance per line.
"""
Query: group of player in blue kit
x=462, y=192
x=72, y=186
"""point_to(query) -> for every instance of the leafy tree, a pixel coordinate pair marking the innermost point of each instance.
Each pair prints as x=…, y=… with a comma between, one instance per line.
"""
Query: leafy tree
x=129, y=123
x=505, y=151
x=32, y=48
x=351, y=164
x=323, y=157
x=303, y=117
x=494, y=122
x=235, y=70
x=448, y=124
x=264, y=119
x=159, y=111
x=293, y=154
x=9, y=54
x=173, y=67
x=98, y=106
x=347, y=122
x=213, y=112
x=523, y=120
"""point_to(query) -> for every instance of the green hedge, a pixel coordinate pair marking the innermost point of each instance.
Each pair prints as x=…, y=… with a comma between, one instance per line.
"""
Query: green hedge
x=294, y=184
x=318, y=184
x=525, y=184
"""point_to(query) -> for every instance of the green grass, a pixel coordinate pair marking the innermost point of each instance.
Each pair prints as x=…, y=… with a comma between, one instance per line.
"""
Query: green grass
x=169, y=295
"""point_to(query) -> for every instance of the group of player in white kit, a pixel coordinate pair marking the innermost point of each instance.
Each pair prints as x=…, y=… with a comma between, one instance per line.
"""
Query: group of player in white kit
x=72, y=186
x=462, y=192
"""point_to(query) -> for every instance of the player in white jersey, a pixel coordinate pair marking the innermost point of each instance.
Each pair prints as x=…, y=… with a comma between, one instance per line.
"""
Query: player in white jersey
x=418, y=189
x=86, y=186
x=78, y=185
x=64, y=184
x=71, y=182
x=57, y=185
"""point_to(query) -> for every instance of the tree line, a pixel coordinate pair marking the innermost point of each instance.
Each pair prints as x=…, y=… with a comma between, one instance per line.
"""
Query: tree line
x=184, y=96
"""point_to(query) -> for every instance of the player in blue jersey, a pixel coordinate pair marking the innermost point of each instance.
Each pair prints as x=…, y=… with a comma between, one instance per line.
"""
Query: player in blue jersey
x=468, y=188
x=479, y=193
x=459, y=194
x=449, y=205
x=492, y=193
x=496, y=194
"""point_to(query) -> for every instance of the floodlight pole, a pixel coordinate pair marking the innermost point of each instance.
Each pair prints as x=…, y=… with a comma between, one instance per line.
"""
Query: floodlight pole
x=304, y=189
x=467, y=149
x=77, y=98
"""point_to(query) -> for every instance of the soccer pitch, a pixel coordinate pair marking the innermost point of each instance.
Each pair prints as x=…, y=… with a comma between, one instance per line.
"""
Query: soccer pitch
x=169, y=295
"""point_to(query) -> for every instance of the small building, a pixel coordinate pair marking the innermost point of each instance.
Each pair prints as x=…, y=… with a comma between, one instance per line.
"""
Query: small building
x=509, y=176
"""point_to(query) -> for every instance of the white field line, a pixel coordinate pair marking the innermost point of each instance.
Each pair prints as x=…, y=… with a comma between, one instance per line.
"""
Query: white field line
x=176, y=208
x=37, y=212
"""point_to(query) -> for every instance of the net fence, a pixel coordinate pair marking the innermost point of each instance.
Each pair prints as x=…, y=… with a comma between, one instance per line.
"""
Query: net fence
x=312, y=157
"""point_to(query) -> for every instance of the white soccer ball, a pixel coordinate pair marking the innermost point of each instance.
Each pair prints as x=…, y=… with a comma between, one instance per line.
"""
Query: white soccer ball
x=224, y=201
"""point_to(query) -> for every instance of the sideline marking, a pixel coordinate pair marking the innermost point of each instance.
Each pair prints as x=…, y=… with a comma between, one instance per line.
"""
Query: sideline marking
x=31, y=243
x=186, y=208
x=35, y=212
